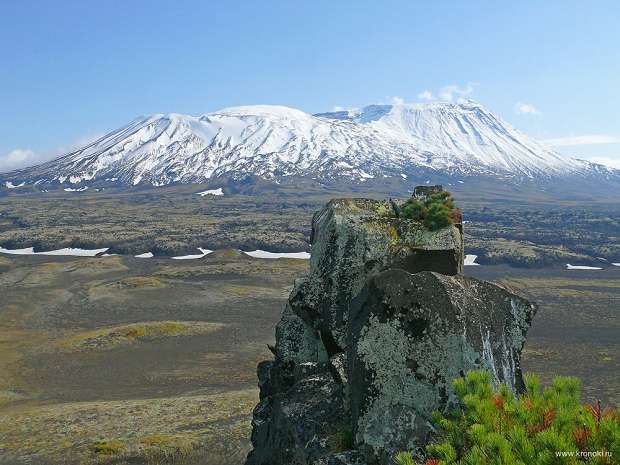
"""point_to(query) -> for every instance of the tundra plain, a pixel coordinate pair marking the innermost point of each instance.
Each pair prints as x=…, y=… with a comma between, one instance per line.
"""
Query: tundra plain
x=121, y=360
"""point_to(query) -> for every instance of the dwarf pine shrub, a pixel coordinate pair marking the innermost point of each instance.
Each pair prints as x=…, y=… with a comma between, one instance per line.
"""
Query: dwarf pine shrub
x=436, y=211
x=541, y=427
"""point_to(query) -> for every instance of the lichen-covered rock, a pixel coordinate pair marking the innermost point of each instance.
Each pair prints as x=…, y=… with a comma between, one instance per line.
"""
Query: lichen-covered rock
x=409, y=336
x=350, y=457
x=297, y=341
x=371, y=339
x=301, y=424
x=354, y=238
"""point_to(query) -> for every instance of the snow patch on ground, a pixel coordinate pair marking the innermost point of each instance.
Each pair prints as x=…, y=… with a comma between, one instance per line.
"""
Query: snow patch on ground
x=581, y=267
x=470, y=260
x=10, y=185
x=188, y=257
x=203, y=253
x=616, y=264
x=265, y=254
x=28, y=251
x=68, y=252
x=79, y=189
x=74, y=252
x=217, y=191
x=145, y=255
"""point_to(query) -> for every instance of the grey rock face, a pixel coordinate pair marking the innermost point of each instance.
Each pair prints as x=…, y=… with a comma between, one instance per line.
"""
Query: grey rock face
x=371, y=339
x=351, y=240
x=342, y=458
x=297, y=341
x=409, y=336
x=302, y=423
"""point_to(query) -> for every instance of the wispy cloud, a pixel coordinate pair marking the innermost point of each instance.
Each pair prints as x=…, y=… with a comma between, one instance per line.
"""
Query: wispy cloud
x=24, y=157
x=448, y=93
x=426, y=95
x=352, y=111
x=456, y=93
x=77, y=144
x=526, y=109
x=609, y=161
x=590, y=139
x=18, y=158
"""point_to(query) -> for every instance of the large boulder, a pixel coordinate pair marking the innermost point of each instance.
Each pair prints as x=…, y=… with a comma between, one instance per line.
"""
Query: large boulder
x=371, y=339
x=355, y=238
x=302, y=423
x=409, y=336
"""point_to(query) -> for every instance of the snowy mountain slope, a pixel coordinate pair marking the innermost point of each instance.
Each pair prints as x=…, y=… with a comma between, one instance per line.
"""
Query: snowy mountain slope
x=453, y=135
x=273, y=142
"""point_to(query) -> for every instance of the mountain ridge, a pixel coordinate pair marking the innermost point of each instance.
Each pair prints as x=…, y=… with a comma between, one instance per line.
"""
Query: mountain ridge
x=449, y=140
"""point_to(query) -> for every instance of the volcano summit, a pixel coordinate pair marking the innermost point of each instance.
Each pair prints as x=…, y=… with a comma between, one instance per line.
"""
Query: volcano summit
x=445, y=142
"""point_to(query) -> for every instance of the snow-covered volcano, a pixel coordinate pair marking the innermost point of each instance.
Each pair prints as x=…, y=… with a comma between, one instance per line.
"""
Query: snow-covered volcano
x=401, y=140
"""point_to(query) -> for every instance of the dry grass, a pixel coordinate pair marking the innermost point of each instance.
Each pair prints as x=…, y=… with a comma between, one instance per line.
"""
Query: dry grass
x=112, y=337
x=255, y=292
x=8, y=396
x=111, y=361
x=155, y=431
x=138, y=282
x=13, y=342
x=247, y=268
x=122, y=288
x=51, y=273
x=560, y=282
x=111, y=447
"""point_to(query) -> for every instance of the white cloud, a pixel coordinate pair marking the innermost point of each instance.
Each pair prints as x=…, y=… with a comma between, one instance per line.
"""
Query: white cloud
x=426, y=95
x=449, y=93
x=591, y=139
x=351, y=111
x=78, y=143
x=526, y=109
x=453, y=93
x=23, y=158
x=18, y=158
x=609, y=161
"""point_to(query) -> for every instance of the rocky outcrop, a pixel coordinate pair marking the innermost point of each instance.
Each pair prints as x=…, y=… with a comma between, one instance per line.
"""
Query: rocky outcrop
x=409, y=336
x=371, y=339
x=355, y=238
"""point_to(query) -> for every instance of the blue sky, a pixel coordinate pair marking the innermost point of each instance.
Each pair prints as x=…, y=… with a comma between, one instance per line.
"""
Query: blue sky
x=73, y=70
